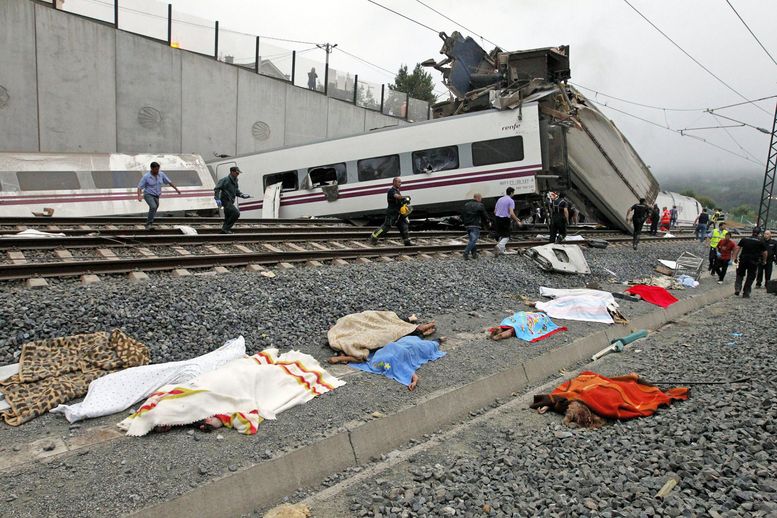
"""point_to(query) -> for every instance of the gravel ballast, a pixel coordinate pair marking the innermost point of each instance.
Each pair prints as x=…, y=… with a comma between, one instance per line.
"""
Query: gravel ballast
x=183, y=318
x=720, y=444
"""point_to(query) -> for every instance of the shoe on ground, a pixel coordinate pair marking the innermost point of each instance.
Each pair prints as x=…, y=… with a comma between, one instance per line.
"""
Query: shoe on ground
x=466, y=257
x=736, y=293
x=226, y=232
x=746, y=296
x=373, y=241
x=720, y=282
x=409, y=243
x=635, y=247
x=758, y=286
x=474, y=255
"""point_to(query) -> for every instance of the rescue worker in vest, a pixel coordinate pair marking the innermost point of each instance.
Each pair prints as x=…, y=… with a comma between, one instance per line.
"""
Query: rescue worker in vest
x=655, y=215
x=397, y=204
x=637, y=214
x=765, y=270
x=225, y=193
x=559, y=217
x=701, y=225
x=750, y=253
x=473, y=216
x=150, y=189
x=504, y=212
x=715, y=237
x=715, y=218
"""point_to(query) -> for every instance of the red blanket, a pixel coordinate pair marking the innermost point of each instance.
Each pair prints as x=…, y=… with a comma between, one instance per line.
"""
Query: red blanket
x=617, y=398
x=653, y=294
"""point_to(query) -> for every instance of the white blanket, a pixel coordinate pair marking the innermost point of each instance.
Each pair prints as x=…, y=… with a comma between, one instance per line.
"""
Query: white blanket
x=578, y=304
x=240, y=394
x=120, y=390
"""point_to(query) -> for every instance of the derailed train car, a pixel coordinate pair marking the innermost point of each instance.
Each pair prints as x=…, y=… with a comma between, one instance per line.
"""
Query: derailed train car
x=513, y=122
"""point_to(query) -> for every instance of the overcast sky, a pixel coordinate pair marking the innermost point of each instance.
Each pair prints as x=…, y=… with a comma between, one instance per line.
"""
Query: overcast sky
x=613, y=51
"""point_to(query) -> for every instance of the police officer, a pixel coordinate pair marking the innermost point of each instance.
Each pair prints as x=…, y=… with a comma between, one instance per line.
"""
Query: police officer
x=225, y=193
x=394, y=215
x=559, y=208
x=637, y=214
x=750, y=252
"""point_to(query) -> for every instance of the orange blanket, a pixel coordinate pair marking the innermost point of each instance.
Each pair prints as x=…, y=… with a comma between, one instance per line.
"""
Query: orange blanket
x=617, y=398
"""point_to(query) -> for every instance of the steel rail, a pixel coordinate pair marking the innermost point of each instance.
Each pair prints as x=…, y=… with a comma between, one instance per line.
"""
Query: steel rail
x=164, y=220
x=125, y=265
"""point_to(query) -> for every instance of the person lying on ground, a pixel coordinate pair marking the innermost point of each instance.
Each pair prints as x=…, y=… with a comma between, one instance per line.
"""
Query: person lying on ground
x=399, y=360
x=424, y=330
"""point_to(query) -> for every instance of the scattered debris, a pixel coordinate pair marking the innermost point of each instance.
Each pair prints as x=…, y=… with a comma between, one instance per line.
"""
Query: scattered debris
x=668, y=486
x=559, y=258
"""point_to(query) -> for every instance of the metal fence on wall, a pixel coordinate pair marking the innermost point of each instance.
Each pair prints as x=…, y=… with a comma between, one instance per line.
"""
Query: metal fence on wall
x=306, y=67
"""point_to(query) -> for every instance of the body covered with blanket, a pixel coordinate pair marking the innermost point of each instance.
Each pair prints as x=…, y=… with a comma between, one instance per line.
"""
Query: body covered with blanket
x=359, y=333
x=240, y=394
x=400, y=359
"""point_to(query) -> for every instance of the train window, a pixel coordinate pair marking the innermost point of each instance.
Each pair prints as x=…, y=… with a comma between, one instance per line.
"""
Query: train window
x=8, y=181
x=378, y=167
x=116, y=179
x=184, y=178
x=437, y=159
x=497, y=151
x=48, y=180
x=328, y=175
x=289, y=180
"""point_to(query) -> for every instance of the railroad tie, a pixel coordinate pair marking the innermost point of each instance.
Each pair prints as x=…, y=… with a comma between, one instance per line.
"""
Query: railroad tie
x=404, y=257
x=318, y=246
x=385, y=259
x=359, y=244
x=64, y=255
x=89, y=278
x=315, y=264
x=337, y=244
x=243, y=248
x=256, y=268
x=181, y=250
x=272, y=248
x=339, y=262
x=393, y=242
x=286, y=266
x=142, y=250
x=214, y=250
x=138, y=276
x=107, y=253
x=363, y=260
x=17, y=258
x=296, y=247
x=181, y=272
x=220, y=269
x=36, y=282
x=425, y=256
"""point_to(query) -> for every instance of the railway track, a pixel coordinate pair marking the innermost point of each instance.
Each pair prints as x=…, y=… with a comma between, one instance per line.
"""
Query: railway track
x=284, y=252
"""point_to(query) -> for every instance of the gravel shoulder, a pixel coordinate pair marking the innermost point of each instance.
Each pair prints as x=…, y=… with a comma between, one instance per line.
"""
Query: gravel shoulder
x=720, y=443
x=182, y=318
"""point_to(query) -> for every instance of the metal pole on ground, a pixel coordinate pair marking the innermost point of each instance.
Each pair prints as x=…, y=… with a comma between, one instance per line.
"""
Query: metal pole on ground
x=768, y=186
x=216, y=42
x=169, y=25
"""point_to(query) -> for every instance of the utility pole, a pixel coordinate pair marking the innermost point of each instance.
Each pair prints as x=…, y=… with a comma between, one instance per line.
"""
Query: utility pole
x=328, y=48
x=768, y=187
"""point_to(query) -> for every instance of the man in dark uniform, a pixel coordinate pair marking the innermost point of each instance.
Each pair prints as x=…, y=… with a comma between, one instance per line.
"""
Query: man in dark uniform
x=225, y=193
x=559, y=209
x=393, y=216
x=655, y=215
x=750, y=253
x=765, y=270
x=637, y=214
x=473, y=215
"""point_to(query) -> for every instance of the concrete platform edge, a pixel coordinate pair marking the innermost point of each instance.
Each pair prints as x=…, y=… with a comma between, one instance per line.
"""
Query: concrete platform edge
x=265, y=484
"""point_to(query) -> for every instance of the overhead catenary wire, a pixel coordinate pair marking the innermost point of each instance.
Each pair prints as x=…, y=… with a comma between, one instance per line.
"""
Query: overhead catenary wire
x=404, y=16
x=700, y=139
x=457, y=23
x=751, y=32
x=735, y=141
x=710, y=72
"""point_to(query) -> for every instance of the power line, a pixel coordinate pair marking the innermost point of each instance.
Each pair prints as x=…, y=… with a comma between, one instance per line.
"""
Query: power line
x=751, y=32
x=387, y=71
x=732, y=137
x=403, y=16
x=678, y=132
x=710, y=72
x=762, y=130
x=457, y=23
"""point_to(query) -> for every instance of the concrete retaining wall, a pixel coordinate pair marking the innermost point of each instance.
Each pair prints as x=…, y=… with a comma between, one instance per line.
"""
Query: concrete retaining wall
x=265, y=484
x=72, y=84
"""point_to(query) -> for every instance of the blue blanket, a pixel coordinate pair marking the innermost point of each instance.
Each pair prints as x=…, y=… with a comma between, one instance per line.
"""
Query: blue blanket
x=399, y=360
x=531, y=327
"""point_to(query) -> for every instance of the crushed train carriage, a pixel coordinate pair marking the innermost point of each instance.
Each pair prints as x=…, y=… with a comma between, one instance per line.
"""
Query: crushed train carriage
x=512, y=121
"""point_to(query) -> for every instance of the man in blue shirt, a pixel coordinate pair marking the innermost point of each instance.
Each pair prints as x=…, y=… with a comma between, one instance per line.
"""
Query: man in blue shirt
x=150, y=188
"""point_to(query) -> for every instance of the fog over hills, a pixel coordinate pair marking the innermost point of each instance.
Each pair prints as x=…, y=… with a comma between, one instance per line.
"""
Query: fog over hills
x=728, y=190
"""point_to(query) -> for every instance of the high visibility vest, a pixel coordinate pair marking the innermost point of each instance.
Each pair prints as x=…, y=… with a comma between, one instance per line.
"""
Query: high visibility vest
x=717, y=235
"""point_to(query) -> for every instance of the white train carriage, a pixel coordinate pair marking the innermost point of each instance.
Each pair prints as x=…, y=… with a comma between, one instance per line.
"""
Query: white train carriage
x=687, y=208
x=98, y=184
x=442, y=163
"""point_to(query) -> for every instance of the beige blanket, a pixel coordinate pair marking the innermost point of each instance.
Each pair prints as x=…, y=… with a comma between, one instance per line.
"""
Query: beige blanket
x=359, y=333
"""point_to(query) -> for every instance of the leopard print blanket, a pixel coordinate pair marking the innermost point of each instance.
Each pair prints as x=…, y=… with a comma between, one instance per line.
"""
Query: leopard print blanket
x=57, y=370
